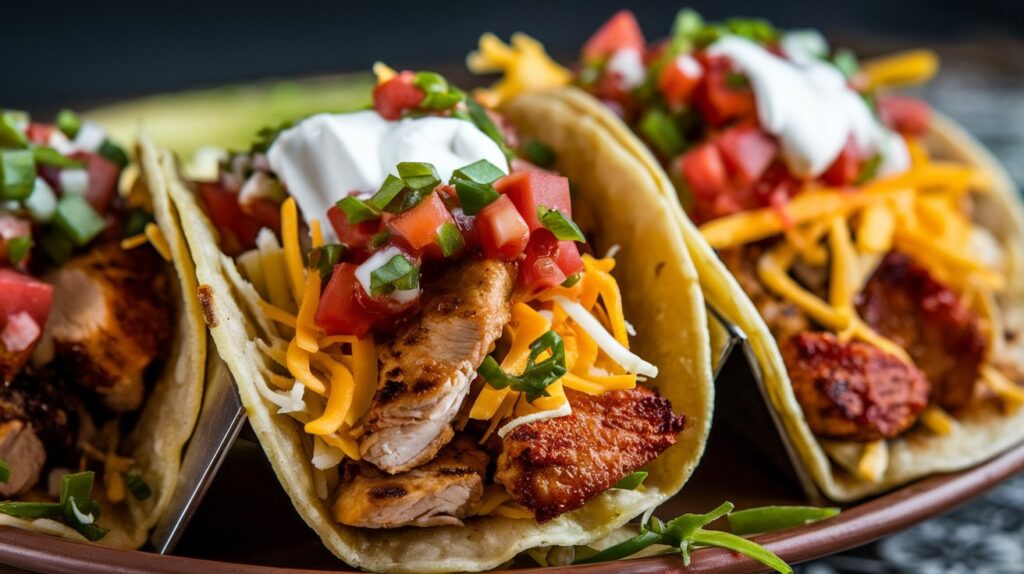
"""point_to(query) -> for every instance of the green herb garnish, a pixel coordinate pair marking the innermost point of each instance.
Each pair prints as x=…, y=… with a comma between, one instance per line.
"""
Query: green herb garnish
x=869, y=170
x=660, y=128
x=78, y=220
x=135, y=223
x=449, y=238
x=559, y=224
x=481, y=171
x=69, y=123
x=114, y=153
x=137, y=485
x=18, y=249
x=439, y=95
x=5, y=471
x=390, y=189
x=49, y=156
x=474, y=196
x=356, y=210
x=56, y=245
x=11, y=135
x=379, y=239
x=771, y=518
x=418, y=175
x=397, y=274
x=536, y=377
x=75, y=503
x=846, y=61
x=572, y=280
x=483, y=122
x=538, y=153
x=17, y=173
x=631, y=481
x=324, y=258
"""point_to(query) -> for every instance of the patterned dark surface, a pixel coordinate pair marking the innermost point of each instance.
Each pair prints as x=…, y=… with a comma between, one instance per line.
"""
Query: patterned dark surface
x=982, y=87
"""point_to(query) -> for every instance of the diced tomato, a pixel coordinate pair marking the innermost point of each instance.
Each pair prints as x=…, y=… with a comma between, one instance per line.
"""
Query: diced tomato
x=237, y=230
x=846, y=167
x=264, y=212
x=11, y=227
x=717, y=100
x=539, y=269
x=747, y=151
x=679, y=78
x=569, y=260
x=704, y=171
x=39, y=133
x=21, y=293
x=340, y=312
x=418, y=226
x=503, y=232
x=529, y=189
x=397, y=95
x=103, y=176
x=354, y=236
x=906, y=115
x=619, y=32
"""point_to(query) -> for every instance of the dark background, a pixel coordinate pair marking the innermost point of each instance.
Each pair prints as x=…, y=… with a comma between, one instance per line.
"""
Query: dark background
x=58, y=53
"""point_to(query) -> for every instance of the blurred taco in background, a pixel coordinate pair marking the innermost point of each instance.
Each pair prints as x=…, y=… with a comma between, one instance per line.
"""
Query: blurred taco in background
x=869, y=247
x=427, y=329
x=102, y=353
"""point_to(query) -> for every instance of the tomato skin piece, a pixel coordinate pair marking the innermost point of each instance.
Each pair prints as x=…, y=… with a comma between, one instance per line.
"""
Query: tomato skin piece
x=528, y=189
x=418, y=226
x=704, y=171
x=237, y=230
x=396, y=95
x=619, y=32
x=678, y=81
x=747, y=151
x=539, y=268
x=340, y=311
x=909, y=116
x=103, y=175
x=39, y=134
x=12, y=227
x=22, y=293
x=846, y=167
x=502, y=231
x=354, y=236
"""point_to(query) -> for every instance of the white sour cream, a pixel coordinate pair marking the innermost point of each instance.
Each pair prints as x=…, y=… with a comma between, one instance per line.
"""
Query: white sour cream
x=628, y=65
x=328, y=156
x=807, y=105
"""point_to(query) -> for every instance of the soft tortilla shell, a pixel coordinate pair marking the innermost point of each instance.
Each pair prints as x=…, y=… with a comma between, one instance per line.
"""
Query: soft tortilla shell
x=662, y=299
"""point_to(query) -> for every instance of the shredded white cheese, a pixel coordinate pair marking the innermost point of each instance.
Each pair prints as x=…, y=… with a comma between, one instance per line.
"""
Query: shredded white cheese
x=618, y=353
x=562, y=411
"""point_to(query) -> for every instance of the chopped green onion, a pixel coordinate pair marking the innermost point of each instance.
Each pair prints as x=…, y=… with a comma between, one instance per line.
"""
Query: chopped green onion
x=135, y=223
x=687, y=24
x=481, y=171
x=772, y=518
x=325, y=257
x=660, y=128
x=397, y=274
x=736, y=81
x=379, y=239
x=474, y=196
x=756, y=29
x=418, y=175
x=538, y=153
x=137, y=485
x=78, y=220
x=846, y=61
x=572, y=280
x=536, y=377
x=450, y=239
x=438, y=93
x=114, y=153
x=78, y=484
x=17, y=173
x=741, y=545
x=11, y=134
x=357, y=210
x=49, y=156
x=391, y=187
x=868, y=170
x=631, y=481
x=32, y=509
x=17, y=250
x=483, y=122
x=69, y=123
x=5, y=471
x=559, y=224
x=56, y=245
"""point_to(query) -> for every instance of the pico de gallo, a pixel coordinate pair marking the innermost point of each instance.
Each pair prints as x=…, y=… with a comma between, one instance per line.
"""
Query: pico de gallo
x=69, y=256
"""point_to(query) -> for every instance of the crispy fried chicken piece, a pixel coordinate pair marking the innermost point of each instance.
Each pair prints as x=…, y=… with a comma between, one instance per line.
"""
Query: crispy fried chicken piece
x=426, y=370
x=438, y=493
x=554, y=466
x=903, y=302
x=35, y=419
x=783, y=318
x=111, y=317
x=853, y=390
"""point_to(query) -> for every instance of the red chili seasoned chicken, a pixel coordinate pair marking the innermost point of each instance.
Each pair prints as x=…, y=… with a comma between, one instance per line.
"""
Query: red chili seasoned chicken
x=853, y=390
x=903, y=302
x=554, y=466
x=426, y=370
x=111, y=317
x=438, y=493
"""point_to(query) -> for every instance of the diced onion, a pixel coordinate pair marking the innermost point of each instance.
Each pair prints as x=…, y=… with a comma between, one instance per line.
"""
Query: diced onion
x=325, y=456
x=42, y=203
x=615, y=350
x=19, y=333
x=90, y=137
x=74, y=181
x=562, y=411
x=375, y=262
x=82, y=518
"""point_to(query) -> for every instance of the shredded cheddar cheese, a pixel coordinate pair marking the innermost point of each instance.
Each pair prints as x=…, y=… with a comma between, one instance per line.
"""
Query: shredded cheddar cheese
x=874, y=461
x=901, y=69
x=129, y=243
x=937, y=420
x=159, y=242
x=524, y=64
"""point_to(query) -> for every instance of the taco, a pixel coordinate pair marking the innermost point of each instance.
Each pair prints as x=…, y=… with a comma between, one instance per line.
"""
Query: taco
x=102, y=354
x=869, y=247
x=428, y=333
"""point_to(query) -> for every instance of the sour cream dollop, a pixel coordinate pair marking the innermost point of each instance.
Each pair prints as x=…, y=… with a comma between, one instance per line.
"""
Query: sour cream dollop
x=807, y=104
x=327, y=156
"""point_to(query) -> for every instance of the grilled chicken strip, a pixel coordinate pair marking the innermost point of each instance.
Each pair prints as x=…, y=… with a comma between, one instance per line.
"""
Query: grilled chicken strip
x=903, y=302
x=438, y=493
x=111, y=317
x=554, y=466
x=426, y=370
x=34, y=420
x=853, y=390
